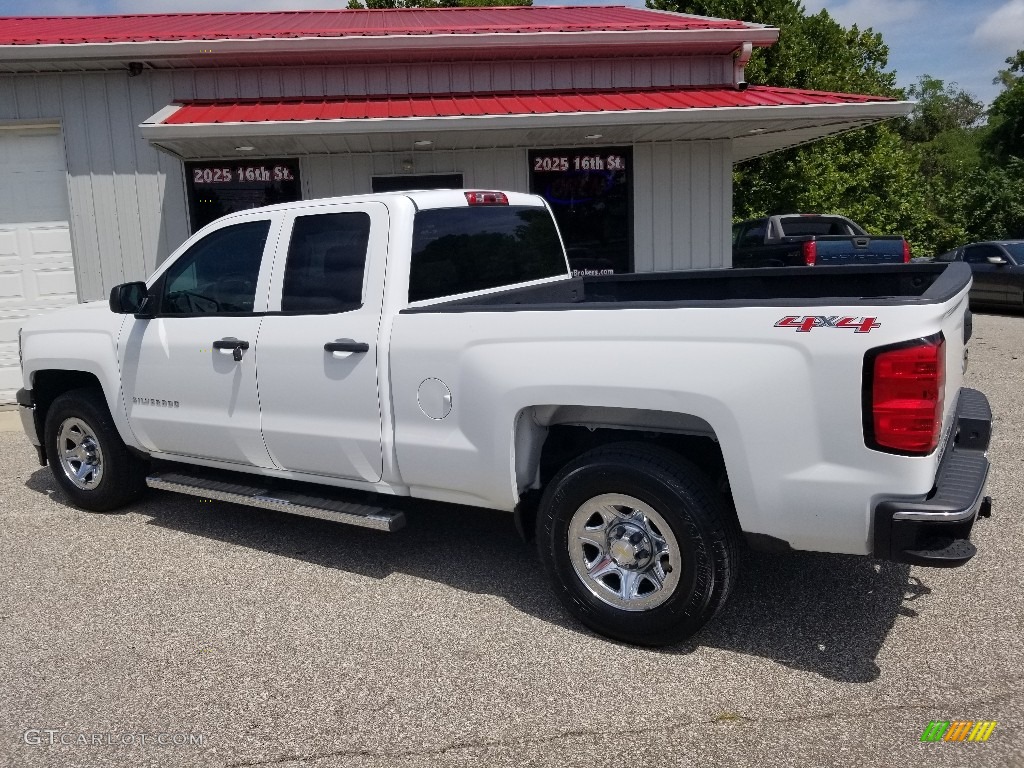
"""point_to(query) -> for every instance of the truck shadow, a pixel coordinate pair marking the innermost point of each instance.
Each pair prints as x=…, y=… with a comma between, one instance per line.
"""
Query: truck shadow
x=826, y=614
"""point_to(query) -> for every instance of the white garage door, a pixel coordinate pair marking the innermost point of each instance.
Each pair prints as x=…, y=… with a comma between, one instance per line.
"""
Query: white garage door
x=36, y=270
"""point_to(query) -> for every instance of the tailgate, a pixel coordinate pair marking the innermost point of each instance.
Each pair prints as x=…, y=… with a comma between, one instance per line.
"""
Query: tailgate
x=837, y=251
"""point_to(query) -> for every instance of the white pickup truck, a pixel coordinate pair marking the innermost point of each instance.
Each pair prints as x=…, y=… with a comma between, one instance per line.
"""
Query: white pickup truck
x=342, y=358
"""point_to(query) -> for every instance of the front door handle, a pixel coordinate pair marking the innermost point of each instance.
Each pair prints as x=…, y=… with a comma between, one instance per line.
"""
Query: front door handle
x=346, y=345
x=237, y=347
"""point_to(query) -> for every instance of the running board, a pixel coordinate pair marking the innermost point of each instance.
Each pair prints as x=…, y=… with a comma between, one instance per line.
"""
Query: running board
x=324, y=508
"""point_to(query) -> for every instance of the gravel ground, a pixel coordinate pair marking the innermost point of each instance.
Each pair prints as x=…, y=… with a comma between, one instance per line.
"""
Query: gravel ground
x=292, y=642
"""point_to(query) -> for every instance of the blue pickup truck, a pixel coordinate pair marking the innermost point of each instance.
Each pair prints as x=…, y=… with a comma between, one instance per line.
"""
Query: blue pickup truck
x=808, y=239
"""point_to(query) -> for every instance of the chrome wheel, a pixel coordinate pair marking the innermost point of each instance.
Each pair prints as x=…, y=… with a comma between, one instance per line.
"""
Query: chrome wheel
x=80, y=454
x=624, y=552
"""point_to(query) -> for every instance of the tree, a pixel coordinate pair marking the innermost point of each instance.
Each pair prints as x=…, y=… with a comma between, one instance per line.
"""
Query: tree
x=944, y=132
x=813, y=52
x=1005, y=138
x=1014, y=67
x=993, y=202
x=870, y=175
x=940, y=108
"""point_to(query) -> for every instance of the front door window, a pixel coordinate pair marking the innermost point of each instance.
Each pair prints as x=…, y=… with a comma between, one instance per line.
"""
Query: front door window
x=218, y=274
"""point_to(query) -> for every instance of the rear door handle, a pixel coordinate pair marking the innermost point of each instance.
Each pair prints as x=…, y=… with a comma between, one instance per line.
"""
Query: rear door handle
x=346, y=345
x=237, y=347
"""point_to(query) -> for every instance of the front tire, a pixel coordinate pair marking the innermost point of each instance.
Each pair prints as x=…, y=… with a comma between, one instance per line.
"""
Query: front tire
x=638, y=543
x=88, y=459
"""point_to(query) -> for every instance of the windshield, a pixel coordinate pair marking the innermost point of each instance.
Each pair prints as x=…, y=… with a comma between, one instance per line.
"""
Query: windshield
x=1016, y=251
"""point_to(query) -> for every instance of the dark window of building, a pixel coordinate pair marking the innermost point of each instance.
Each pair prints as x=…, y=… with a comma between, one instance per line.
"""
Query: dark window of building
x=326, y=262
x=424, y=181
x=218, y=188
x=217, y=274
x=458, y=250
x=590, y=192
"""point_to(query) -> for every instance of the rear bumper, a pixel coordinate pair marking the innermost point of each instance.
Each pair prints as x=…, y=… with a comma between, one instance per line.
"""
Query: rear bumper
x=935, y=529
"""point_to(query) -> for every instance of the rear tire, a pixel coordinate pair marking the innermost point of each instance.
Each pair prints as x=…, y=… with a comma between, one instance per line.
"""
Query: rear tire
x=638, y=543
x=87, y=456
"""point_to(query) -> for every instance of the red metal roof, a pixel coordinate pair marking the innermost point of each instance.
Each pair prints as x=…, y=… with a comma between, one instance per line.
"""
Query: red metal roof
x=518, y=103
x=57, y=30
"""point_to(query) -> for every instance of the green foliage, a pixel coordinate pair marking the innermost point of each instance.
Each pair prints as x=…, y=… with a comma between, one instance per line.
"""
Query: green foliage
x=812, y=52
x=868, y=175
x=1005, y=138
x=940, y=108
x=1014, y=67
x=994, y=202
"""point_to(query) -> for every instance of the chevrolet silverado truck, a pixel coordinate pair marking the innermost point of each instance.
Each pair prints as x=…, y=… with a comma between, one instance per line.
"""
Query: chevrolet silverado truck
x=347, y=358
x=809, y=239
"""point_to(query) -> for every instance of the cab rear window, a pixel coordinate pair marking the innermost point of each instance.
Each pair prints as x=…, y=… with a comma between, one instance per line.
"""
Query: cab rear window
x=459, y=250
x=821, y=226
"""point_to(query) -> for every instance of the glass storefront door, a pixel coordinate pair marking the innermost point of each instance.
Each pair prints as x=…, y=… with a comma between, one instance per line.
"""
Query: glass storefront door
x=220, y=187
x=590, y=192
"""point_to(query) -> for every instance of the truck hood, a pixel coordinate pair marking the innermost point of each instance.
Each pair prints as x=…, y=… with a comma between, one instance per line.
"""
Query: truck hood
x=92, y=315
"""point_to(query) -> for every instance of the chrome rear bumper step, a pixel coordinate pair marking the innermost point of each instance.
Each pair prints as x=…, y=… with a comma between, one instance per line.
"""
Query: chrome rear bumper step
x=293, y=502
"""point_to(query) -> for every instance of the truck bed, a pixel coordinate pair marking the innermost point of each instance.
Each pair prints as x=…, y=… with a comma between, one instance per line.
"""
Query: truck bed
x=784, y=286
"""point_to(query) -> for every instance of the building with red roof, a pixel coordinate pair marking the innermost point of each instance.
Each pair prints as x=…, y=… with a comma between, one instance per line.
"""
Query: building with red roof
x=121, y=135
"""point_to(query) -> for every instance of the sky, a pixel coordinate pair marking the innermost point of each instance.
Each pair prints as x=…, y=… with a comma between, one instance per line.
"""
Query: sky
x=958, y=41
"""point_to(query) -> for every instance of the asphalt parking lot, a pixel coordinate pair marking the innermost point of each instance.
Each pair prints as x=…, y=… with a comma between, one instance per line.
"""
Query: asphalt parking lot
x=284, y=641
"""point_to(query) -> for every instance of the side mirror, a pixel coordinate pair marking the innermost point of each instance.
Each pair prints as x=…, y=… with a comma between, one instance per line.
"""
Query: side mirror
x=997, y=260
x=128, y=298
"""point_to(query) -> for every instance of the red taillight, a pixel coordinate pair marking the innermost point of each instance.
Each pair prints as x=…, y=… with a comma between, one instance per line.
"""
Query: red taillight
x=810, y=249
x=907, y=384
x=906, y=252
x=486, y=198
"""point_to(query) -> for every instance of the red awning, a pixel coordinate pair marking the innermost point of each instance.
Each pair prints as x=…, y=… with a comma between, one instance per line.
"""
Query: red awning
x=757, y=120
x=498, y=104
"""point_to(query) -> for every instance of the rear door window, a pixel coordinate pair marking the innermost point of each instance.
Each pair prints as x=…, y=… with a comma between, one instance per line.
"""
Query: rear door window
x=326, y=263
x=460, y=250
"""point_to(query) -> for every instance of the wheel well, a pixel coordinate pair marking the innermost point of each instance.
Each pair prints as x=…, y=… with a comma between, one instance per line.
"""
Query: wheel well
x=47, y=386
x=565, y=442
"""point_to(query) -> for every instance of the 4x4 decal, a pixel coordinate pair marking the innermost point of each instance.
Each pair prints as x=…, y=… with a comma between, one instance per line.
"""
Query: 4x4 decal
x=804, y=324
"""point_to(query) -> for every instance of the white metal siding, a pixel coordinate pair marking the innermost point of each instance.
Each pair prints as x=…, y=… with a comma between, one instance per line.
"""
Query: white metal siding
x=682, y=205
x=128, y=205
x=331, y=175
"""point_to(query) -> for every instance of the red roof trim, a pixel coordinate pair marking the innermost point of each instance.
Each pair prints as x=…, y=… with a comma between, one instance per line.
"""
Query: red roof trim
x=79, y=30
x=511, y=103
